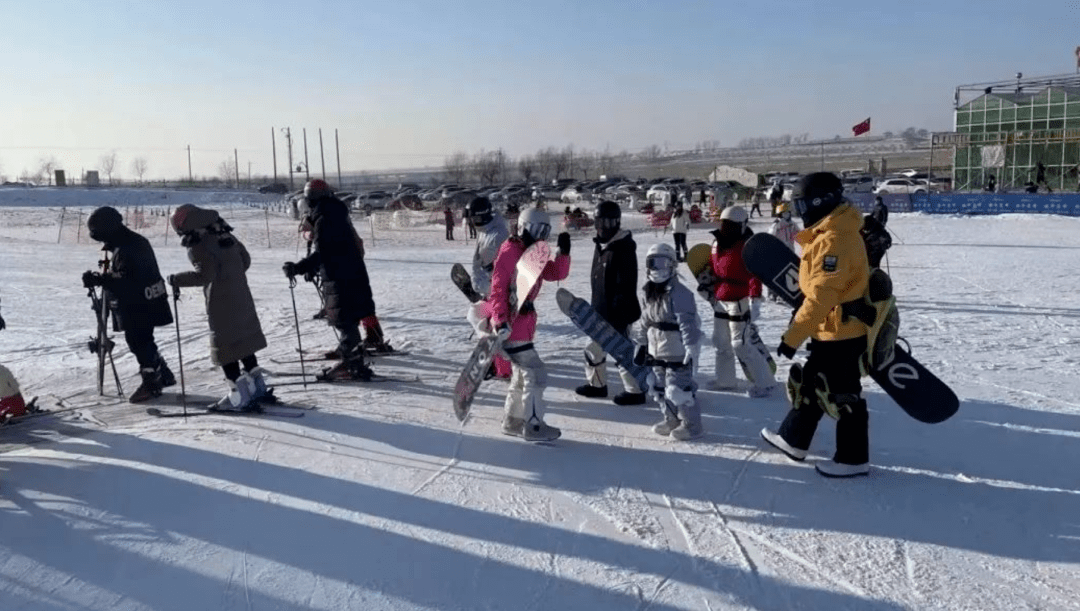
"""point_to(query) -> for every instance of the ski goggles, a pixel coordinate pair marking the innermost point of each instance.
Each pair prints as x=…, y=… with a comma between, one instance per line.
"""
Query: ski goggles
x=539, y=231
x=607, y=224
x=655, y=264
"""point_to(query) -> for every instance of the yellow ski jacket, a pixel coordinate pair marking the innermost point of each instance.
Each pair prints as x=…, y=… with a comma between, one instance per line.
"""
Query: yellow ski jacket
x=833, y=270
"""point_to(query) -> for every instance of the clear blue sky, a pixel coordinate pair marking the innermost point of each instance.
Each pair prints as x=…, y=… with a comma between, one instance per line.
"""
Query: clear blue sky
x=408, y=82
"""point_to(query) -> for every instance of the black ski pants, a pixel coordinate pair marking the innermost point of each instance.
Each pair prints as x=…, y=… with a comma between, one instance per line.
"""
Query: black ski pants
x=839, y=362
x=140, y=341
x=680, y=246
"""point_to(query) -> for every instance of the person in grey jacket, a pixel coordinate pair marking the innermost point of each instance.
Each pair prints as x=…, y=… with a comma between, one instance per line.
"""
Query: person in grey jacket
x=221, y=263
x=668, y=335
x=492, y=233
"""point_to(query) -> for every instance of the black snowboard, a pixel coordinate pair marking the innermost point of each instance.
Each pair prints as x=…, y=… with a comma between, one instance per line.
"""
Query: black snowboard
x=920, y=393
x=463, y=281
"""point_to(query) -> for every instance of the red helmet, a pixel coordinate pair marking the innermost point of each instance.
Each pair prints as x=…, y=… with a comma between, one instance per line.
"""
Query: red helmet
x=316, y=188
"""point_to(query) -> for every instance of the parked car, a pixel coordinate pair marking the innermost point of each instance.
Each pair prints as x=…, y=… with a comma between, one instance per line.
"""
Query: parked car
x=859, y=184
x=279, y=188
x=898, y=185
x=375, y=200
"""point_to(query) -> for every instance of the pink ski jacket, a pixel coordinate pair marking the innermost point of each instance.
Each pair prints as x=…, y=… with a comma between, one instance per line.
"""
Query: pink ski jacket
x=503, y=280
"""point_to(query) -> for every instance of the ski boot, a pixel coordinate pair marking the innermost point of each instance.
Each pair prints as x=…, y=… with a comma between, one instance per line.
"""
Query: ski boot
x=256, y=385
x=238, y=399
x=350, y=369
x=374, y=340
x=167, y=377
x=150, y=388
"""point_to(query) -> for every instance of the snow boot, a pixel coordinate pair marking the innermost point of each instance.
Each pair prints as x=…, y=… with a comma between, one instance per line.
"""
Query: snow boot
x=537, y=430
x=238, y=399
x=690, y=427
x=321, y=314
x=629, y=398
x=515, y=427
x=333, y=355
x=256, y=385
x=831, y=468
x=350, y=369
x=151, y=386
x=668, y=424
x=778, y=442
x=592, y=392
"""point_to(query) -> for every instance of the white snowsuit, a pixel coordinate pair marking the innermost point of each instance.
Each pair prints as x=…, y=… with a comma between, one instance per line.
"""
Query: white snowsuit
x=670, y=327
x=489, y=238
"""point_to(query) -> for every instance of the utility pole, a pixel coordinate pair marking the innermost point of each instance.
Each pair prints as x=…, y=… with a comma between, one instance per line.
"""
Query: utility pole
x=322, y=157
x=273, y=147
x=191, y=178
x=288, y=146
x=337, y=146
x=307, y=172
x=236, y=166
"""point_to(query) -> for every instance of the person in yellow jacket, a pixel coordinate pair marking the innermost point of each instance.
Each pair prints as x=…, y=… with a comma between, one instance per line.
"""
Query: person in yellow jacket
x=833, y=271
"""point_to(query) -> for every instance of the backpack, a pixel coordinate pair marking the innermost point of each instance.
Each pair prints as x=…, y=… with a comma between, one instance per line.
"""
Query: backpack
x=876, y=238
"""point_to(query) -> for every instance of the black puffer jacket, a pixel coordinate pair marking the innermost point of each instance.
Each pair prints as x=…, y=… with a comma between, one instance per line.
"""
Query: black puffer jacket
x=338, y=259
x=133, y=285
x=615, y=280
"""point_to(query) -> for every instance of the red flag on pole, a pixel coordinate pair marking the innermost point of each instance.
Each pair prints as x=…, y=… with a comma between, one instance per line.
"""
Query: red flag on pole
x=862, y=128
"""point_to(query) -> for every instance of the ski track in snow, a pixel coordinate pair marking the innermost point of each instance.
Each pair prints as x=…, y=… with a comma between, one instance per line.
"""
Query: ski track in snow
x=379, y=499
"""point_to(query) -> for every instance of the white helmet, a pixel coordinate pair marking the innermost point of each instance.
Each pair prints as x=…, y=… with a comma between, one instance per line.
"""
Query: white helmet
x=660, y=263
x=536, y=223
x=735, y=214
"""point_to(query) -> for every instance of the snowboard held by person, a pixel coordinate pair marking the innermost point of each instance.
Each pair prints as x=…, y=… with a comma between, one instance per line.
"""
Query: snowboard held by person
x=524, y=407
x=136, y=295
x=667, y=335
x=833, y=270
x=491, y=233
x=614, y=297
x=736, y=306
x=337, y=260
x=221, y=263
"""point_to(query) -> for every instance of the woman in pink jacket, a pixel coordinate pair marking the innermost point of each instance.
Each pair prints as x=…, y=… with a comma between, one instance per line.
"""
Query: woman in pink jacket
x=524, y=398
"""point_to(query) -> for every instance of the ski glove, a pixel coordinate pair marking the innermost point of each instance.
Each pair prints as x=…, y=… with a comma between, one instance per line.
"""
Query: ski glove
x=785, y=350
x=290, y=270
x=502, y=332
x=755, y=309
x=91, y=279
x=564, y=243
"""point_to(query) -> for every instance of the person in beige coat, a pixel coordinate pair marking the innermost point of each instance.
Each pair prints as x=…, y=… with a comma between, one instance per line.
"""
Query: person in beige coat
x=221, y=264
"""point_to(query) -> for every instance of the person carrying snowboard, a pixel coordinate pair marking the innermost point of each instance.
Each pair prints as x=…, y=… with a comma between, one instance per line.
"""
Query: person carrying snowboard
x=680, y=224
x=614, y=297
x=135, y=294
x=524, y=408
x=492, y=232
x=833, y=270
x=737, y=305
x=337, y=259
x=668, y=335
x=221, y=263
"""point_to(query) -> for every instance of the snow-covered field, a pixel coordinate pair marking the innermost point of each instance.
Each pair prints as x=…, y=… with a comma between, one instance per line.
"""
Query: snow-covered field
x=379, y=499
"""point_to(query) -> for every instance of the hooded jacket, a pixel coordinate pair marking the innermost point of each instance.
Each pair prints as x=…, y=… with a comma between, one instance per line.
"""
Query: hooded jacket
x=221, y=263
x=337, y=258
x=615, y=279
x=833, y=270
x=503, y=287
x=134, y=288
x=489, y=238
x=669, y=325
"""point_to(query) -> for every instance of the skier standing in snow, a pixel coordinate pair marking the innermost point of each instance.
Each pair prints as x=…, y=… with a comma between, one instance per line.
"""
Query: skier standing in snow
x=680, y=225
x=136, y=295
x=337, y=259
x=448, y=218
x=492, y=232
x=669, y=332
x=737, y=305
x=221, y=263
x=614, y=297
x=524, y=398
x=833, y=270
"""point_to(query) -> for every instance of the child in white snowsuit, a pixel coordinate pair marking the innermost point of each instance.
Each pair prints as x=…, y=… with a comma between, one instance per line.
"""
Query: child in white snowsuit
x=668, y=334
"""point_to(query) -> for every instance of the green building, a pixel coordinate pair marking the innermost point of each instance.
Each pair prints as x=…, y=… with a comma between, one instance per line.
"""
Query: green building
x=1011, y=126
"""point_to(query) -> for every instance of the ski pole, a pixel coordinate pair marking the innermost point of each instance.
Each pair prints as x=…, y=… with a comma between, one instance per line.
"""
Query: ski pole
x=179, y=351
x=296, y=320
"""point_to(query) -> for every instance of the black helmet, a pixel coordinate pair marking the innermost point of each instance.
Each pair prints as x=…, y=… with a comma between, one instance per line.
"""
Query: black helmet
x=104, y=223
x=479, y=211
x=817, y=195
x=316, y=188
x=608, y=219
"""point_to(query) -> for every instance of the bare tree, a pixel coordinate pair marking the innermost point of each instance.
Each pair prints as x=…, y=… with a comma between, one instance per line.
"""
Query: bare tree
x=526, y=166
x=108, y=165
x=651, y=152
x=563, y=160
x=139, y=166
x=227, y=172
x=456, y=167
x=585, y=162
x=47, y=167
x=486, y=167
x=545, y=163
x=606, y=163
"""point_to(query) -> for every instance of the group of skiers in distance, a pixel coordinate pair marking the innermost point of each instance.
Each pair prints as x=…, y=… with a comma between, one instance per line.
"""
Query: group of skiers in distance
x=839, y=248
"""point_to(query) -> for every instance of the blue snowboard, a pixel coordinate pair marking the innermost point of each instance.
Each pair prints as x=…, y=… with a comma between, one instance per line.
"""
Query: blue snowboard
x=617, y=345
x=914, y=388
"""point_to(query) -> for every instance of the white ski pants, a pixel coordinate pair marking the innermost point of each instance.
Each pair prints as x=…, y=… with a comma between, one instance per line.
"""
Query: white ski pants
x=734, y=336
x=596, y=369
x=525, y=396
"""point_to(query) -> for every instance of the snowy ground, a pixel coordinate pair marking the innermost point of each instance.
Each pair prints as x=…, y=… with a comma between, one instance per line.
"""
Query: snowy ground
x=380, y=500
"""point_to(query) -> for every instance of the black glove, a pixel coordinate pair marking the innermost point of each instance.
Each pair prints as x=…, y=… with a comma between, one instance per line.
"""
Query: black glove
x=91, y=279
x=785, y=350
x=2, y=324
x=641, y=356
x=171, y=280
x=564, y=243
x=290, y=270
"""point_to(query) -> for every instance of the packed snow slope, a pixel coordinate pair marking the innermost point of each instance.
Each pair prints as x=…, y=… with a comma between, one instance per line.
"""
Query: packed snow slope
x=378, y=499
